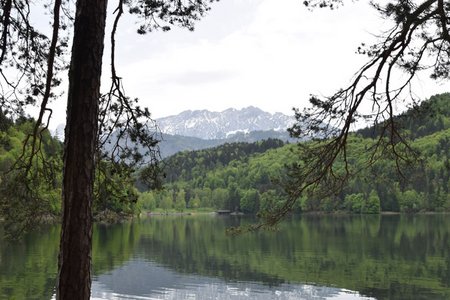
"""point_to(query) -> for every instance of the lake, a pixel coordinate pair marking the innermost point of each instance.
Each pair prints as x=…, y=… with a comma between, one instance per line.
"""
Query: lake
x=191, y=257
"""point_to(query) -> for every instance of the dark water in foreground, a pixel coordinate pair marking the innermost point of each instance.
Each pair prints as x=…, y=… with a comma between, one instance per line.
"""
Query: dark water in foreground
x=309, y=257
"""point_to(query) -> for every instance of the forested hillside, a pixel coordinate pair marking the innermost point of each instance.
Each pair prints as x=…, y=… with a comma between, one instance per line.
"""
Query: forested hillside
x=431, y=116
x=172, y=144
x=229, y=177
x=196, y=164
x=244, y=177
x=31, y=192
x=35, y=194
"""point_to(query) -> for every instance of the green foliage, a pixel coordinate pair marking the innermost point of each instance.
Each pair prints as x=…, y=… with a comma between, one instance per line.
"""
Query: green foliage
x=180, y=201
x=166, y=202
x=194, y=164
x=410, y=201
x=195, y=202
x=373, y=205
x=355, y=202
x=114, y=191
x=30, y=190
x=219, y=197
x=359, y=203
x=147, y=201
x=250, y=201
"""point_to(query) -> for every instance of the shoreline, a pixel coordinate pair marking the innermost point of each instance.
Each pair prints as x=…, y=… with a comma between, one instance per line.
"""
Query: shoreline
x=316, y=213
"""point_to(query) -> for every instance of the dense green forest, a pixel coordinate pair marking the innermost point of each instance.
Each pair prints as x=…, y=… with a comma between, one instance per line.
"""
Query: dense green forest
x=28, y=190
x=248, y=177
x=32, y=192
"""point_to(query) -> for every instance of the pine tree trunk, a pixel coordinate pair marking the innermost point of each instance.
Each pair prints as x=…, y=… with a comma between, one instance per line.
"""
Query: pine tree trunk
x=74, y=276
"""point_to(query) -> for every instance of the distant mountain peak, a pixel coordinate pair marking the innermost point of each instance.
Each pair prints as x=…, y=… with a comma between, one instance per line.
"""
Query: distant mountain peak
x=218, y=125
x=252, y=109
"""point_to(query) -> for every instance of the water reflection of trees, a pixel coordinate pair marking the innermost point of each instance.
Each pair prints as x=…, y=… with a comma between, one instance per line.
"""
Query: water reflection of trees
x=28, y=266
x=369, y=254
x=381, y=256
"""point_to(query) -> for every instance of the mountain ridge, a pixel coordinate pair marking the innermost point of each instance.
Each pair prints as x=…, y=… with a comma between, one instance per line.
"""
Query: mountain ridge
x=202, y=129
x=212, y=125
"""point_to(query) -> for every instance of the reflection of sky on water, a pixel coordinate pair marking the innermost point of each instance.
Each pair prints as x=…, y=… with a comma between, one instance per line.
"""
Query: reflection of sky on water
x=147, y=280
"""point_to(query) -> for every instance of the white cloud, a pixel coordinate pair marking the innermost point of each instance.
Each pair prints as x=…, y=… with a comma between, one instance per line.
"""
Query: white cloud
x=267, y=53
x=280, y=54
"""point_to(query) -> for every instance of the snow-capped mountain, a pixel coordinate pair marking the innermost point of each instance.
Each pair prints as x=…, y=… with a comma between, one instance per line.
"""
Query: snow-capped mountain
x=205, y=124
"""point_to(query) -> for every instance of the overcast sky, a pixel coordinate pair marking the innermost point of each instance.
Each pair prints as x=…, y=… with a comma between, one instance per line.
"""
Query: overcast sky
x=267, y=53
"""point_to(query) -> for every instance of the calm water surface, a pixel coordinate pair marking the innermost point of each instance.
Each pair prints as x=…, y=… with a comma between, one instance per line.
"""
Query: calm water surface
x=309, y=257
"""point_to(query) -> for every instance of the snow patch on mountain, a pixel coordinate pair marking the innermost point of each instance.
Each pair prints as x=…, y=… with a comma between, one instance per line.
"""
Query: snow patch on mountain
x=218, y=125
